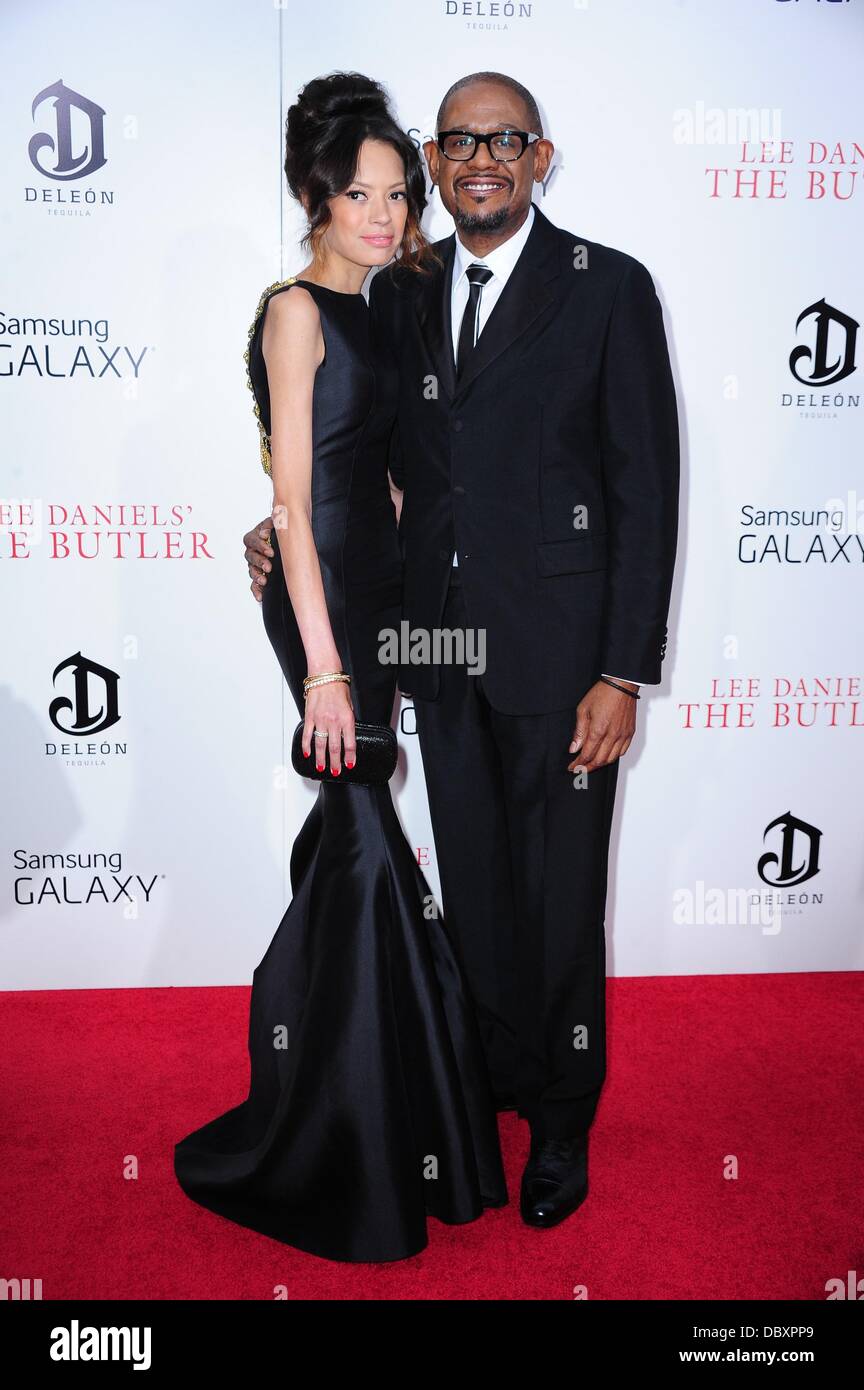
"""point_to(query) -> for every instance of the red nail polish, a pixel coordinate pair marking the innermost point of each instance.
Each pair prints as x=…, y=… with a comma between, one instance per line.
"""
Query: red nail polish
x=336, y=771
x=319, y=767
x=349, y=764
x=307, y=752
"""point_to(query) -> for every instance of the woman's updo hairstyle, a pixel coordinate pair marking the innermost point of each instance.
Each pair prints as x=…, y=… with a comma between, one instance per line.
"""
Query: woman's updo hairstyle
x=324, y=130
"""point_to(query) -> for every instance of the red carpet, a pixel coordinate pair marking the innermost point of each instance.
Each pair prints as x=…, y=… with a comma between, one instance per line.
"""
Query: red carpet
x=767, y=1068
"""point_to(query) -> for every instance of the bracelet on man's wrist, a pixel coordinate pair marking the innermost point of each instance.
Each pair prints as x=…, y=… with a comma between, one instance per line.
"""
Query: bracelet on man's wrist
x=634, y=694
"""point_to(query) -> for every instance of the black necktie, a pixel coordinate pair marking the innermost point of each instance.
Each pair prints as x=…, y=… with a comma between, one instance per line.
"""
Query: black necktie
x=477, y=275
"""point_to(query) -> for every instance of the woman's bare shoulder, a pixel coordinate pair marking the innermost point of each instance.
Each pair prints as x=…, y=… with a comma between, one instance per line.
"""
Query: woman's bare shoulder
x=292, y=323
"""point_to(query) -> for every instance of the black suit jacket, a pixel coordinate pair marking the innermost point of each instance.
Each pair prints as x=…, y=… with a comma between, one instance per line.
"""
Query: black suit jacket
x=567, y=403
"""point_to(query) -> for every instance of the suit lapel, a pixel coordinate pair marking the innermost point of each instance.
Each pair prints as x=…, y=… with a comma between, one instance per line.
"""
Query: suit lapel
x=528, y=292
x=433, y=314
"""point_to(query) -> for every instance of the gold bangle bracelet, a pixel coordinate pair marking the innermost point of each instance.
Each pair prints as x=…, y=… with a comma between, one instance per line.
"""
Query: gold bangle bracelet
x=324, y=678
x=327, y=675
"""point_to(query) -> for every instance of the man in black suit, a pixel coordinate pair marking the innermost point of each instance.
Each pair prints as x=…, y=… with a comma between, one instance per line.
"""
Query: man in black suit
x=537, y=444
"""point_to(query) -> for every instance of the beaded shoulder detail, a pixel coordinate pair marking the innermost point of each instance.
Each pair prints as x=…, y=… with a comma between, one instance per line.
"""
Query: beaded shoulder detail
x=266, y=462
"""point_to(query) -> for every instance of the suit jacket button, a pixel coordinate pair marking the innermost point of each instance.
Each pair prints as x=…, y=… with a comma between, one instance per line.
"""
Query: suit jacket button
x=459, y=490
x=457, y=425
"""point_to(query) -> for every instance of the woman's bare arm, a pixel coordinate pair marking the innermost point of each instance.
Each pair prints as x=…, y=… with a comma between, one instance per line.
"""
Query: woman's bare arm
x=396, y=495
x=293, y=348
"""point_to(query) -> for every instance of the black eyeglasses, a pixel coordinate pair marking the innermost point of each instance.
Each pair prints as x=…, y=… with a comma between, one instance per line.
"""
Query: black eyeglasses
x=503, y=145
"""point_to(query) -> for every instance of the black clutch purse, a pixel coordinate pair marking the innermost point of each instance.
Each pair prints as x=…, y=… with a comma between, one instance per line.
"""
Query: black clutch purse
x=377, y=752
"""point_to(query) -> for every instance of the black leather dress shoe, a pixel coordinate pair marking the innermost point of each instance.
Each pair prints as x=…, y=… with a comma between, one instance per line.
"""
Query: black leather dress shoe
x=555, y=1181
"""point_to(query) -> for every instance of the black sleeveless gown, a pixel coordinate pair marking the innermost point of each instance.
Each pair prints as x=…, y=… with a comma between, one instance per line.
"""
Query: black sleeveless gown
x=369, y=1103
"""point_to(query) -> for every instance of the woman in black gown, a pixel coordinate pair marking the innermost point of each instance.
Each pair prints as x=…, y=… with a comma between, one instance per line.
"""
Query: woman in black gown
x=369, y=1103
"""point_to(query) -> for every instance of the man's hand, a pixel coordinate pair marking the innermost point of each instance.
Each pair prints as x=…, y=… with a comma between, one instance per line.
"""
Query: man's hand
x=605, y=725
x=257, y=550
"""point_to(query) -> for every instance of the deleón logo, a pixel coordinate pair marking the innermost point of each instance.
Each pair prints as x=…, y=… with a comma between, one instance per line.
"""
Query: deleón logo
x=813, y=359
x=94, y=704
x=788, y=872
x=68, y=164
x=478, y=14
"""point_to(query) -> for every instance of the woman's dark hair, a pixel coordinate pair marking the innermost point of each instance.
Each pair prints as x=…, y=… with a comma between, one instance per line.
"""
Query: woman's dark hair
x=324, y=130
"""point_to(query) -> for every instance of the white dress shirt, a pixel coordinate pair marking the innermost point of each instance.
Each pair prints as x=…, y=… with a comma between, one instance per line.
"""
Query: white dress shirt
x=501, y=262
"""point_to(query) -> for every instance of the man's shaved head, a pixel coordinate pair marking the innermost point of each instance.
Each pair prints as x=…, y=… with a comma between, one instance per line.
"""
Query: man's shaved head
x=531, y=109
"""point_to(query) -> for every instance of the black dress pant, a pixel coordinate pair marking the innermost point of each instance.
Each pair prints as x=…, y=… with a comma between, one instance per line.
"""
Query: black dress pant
x=522, y=857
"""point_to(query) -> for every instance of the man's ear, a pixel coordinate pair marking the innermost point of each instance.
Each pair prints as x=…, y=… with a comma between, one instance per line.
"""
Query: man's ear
x=432, y=153
x=543, y=152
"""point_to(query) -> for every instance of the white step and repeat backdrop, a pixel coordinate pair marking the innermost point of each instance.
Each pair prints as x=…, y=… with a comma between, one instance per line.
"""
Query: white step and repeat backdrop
x=147, y=815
